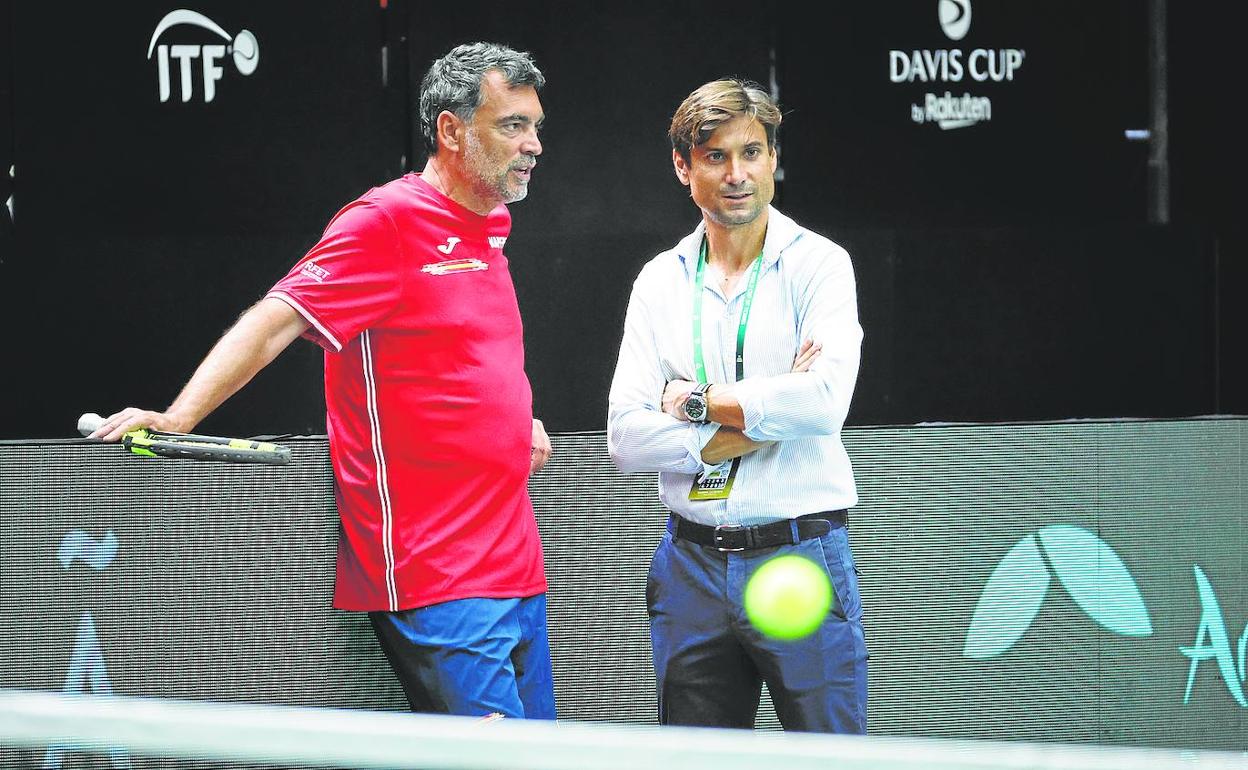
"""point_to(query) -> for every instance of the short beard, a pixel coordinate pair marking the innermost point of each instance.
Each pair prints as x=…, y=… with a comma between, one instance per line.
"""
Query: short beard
x=737, y=219
x=489, y=181
x=515, y=195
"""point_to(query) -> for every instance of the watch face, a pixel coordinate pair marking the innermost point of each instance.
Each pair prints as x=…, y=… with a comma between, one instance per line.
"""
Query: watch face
x=695, y=408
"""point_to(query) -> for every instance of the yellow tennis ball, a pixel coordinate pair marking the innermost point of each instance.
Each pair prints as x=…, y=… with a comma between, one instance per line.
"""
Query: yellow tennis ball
x=788, y=597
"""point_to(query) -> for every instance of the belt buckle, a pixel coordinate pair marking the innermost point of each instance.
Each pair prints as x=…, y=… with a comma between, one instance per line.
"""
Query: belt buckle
x=719, y=538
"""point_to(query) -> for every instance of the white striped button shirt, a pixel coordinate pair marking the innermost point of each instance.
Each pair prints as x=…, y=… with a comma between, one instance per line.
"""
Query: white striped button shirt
x=805, y=291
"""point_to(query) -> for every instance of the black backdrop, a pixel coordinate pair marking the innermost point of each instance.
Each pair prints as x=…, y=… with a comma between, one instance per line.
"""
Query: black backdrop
x=1006, y=270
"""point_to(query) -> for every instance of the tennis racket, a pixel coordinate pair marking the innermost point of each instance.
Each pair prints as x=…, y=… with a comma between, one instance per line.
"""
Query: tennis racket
x=192, y=446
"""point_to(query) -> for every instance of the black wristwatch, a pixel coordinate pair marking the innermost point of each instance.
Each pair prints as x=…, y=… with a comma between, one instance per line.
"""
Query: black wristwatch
x=696, y=407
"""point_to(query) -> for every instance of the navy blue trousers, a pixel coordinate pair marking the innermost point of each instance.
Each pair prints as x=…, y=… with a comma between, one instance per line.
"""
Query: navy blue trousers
x=472, y=657
x=710, y=662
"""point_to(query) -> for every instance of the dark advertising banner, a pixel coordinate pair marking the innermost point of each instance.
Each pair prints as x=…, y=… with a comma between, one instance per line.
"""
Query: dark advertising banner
x=8, y=170
x=957, y=113
x=1075, y=582
x=172, y=163
x=165, y=164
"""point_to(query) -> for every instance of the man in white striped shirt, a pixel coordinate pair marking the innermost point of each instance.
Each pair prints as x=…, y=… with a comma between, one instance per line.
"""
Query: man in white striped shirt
x=735, y=373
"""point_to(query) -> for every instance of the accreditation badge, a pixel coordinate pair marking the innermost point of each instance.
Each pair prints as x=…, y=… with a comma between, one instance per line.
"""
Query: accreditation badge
x=715, y=484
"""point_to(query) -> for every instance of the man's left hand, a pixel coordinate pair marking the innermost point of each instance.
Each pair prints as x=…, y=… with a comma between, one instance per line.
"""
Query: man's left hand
x=541, y=449
x=674, y=397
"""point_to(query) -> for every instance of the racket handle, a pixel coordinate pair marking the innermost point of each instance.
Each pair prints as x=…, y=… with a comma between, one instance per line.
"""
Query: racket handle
x=89, y=423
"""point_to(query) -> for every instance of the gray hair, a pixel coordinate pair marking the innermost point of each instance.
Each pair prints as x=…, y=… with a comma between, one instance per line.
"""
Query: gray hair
x=453, y=83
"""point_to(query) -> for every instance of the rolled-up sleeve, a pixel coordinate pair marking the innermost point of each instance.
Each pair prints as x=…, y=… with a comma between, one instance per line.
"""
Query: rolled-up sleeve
x=640, y=436
x=816, y=402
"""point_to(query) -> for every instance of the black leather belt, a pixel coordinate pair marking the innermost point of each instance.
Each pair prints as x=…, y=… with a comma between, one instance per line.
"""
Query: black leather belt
x=734, y=537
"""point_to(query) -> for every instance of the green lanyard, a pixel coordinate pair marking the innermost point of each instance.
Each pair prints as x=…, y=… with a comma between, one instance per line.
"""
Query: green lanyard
x=698, y=362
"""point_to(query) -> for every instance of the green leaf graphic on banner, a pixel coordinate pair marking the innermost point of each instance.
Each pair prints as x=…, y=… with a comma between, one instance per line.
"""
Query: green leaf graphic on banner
x=1009, y=602
x=1096, y=579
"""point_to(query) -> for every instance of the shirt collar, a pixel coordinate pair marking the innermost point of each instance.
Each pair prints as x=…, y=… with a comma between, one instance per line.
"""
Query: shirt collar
x=782, y=232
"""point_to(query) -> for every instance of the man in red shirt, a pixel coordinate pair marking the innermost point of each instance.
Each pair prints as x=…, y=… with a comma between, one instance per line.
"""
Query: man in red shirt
x=429, y=409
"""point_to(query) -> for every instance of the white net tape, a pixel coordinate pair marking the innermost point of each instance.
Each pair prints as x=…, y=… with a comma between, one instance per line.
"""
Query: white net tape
x=260, y=735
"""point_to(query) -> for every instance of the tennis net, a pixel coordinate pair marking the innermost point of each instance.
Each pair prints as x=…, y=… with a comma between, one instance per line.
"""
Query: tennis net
x=44, y=729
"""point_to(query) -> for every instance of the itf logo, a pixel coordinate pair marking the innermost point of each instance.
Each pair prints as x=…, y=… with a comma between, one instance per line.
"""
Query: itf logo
x=243, y=48
x=1083, y=564
x=955, y=18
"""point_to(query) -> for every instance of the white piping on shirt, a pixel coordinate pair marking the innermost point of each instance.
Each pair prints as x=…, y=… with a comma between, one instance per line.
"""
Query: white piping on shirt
x=311, y=319
x=383, y=484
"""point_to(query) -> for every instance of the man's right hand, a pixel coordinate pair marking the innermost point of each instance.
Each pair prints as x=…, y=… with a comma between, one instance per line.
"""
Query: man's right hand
x=675, y=394
x=132, y=418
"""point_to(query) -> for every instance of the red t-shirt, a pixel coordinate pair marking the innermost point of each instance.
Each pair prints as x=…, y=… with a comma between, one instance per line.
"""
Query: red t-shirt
x=430, y=411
